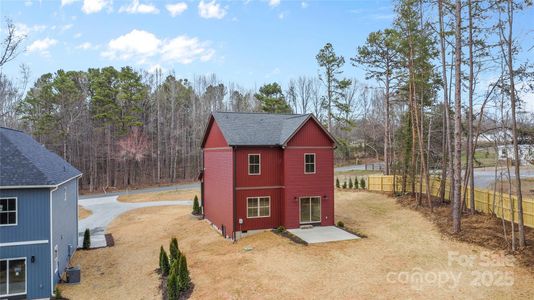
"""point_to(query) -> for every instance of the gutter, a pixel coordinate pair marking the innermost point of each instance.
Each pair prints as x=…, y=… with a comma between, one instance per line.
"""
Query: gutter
x=234, y=193
x=51, y=242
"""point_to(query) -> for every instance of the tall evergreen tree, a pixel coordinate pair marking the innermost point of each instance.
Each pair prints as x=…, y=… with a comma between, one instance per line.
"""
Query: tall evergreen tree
x=272, y=99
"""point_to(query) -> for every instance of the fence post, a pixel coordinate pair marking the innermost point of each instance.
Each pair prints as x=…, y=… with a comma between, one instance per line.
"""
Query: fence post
x=382, y=183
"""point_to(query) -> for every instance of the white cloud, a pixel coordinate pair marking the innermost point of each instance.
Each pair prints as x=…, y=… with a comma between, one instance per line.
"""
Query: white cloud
x=28, y=3
x=274, y=3
x=142, y=46
x=94, y=6
x=67, y=2
x=78, y=35
x=25, y=30
x=281, y=15
x=157, y=67
x=84, y=46
x=138, y=8
x=176, y=9
x=211, y=10
x=42, y=46
x=304, y=4
x=65, y=27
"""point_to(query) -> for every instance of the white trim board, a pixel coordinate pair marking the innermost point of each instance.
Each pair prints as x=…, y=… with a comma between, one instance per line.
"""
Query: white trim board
x=36, y=242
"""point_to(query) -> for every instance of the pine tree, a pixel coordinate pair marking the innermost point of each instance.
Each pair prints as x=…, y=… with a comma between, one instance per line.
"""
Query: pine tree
x=345, y=184
x=173, y=292
x=174, y=251
x=351, y=185
x=184, y=281
x=272, y=99
x=163, y=262
x=196, y=206
x=356, y=183
x=337, y=183
x=362, y=183
x=86, y=239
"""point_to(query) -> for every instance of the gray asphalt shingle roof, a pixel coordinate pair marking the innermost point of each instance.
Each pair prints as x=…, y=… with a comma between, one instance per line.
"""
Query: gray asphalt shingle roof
x=25, y=162
x=253, y=129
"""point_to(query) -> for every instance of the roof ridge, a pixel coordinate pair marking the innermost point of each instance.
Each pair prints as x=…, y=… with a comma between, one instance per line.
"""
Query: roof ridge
x=259, y=113
x=13, y=129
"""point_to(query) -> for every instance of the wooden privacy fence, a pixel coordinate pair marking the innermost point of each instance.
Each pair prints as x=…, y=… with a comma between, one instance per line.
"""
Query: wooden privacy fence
x=485, y=200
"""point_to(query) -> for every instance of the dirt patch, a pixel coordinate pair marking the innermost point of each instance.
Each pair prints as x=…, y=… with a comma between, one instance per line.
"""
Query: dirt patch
x=161, y=196
x=399, y=240
x=83, y=212
x=480, y=229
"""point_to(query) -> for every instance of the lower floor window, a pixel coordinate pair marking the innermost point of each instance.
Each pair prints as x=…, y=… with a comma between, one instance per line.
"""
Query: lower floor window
x=258, y=207
x=12, y=277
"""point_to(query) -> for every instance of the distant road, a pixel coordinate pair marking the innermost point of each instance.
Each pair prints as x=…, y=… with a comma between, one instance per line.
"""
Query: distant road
x=358, y=167
x=484, y=177
x=183, y=186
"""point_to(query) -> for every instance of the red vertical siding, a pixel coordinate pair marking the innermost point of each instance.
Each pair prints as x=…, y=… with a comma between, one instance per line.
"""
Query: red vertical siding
x=271, y=167
x=258, y=223
x=309, y=139
x=311, y=134
x=218, y=188
x=215, y=137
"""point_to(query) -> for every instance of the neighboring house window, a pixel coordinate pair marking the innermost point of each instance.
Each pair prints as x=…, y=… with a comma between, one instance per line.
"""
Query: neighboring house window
x=8, y=211
x=13, y=277
x=309, y=163
x=258, y=207
x=254, y=164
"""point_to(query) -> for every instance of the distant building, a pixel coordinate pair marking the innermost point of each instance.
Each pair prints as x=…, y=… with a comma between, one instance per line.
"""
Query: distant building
x=263, y=170
x=38, y=216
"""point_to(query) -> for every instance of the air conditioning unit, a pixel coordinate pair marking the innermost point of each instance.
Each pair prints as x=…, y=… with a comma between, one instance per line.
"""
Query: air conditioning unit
x=73, y=274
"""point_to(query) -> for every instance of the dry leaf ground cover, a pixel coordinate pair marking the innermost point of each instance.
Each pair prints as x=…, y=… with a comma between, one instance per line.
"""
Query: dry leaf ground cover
x=161, y=196
x=404, y=256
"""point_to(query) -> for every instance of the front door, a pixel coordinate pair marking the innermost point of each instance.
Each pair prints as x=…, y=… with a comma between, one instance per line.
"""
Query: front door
x=310, y=210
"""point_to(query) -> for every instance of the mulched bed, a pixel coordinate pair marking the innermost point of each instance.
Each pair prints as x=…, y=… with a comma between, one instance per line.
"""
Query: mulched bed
x=481, y=229
x=110, y=242
x=290, y=236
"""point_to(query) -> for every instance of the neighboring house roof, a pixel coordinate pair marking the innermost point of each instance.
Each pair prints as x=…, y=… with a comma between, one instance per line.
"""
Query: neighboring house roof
x=260, y=129
x=25, y=162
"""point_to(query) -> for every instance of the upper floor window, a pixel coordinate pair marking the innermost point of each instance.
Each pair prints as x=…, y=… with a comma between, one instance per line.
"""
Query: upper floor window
x=8, y=211
x=254, y=164
x=309, y=163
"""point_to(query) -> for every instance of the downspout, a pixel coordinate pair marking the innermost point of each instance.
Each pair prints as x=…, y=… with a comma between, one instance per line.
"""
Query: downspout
x=50, y=241
x=234, y=192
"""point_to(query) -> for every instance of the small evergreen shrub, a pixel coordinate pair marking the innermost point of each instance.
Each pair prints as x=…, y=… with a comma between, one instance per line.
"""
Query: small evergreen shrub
x=196, y=206
x=184, y=281
x=340, y=224
x=280, y=229
x=337, y=183
x=57, y=292
x=350, y=183
x=174, y=251
x=173, y=293
x=345, y=184
x=356, y=183
x=163, y=262
x=362, y=183
x=87, y=239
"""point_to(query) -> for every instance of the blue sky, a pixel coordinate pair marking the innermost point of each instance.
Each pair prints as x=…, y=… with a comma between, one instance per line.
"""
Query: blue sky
x=247, y=42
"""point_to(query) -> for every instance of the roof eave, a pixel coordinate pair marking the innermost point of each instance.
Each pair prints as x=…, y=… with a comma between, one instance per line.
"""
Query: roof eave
x=41, y=186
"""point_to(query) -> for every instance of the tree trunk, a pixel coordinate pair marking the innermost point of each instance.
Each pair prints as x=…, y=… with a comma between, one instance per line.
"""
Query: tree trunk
x=470, y=149
x=456, y=213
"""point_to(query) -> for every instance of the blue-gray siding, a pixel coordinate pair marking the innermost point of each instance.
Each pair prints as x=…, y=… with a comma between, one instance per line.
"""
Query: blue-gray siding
x=64, y=225
x=38, y=272
x=33, y=214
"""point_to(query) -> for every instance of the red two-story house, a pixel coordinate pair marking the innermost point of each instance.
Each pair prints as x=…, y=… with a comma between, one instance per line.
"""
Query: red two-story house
x=261, y=171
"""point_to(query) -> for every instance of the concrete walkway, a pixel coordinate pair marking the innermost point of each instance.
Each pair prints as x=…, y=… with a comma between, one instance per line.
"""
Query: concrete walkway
x=323, y=234
x=104, y=210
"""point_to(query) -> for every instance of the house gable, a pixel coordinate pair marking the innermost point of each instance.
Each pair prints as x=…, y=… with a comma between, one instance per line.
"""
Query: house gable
x=214, y=138
x=311, y=134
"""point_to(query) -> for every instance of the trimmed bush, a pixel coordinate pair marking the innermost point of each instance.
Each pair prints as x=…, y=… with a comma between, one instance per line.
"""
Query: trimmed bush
x=280, y=229
x=362, y=183
x=173, y=293
x=163, y=262
x=174, y=251
x=345, y=184
x=184, y=281
x=196, y=206
x=356, y=183
x=340, y=224
x=57, y=292
x=337, y=183
x=350, y=183
x=87, y=239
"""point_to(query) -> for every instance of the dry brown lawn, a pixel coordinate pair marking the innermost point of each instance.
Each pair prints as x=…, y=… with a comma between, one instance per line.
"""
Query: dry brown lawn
x=161, y=196
x=83, y=212
x=399, y=240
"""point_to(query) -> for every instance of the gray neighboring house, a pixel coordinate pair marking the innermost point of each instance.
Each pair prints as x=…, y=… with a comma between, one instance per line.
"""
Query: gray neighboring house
x=38, y=217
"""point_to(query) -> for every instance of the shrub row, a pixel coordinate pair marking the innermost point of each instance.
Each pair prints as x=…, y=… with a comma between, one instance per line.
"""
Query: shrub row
x=356, y=184
x=174, y=268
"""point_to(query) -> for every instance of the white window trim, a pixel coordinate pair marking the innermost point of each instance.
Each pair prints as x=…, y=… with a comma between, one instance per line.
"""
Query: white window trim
x=314, y=163
x=259, y=164
x=258, y=198
x=320, y=210
x=16, y=212
x=25, y=276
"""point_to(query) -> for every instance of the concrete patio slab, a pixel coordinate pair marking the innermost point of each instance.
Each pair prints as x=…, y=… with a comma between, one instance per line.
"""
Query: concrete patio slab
x=323, y=234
